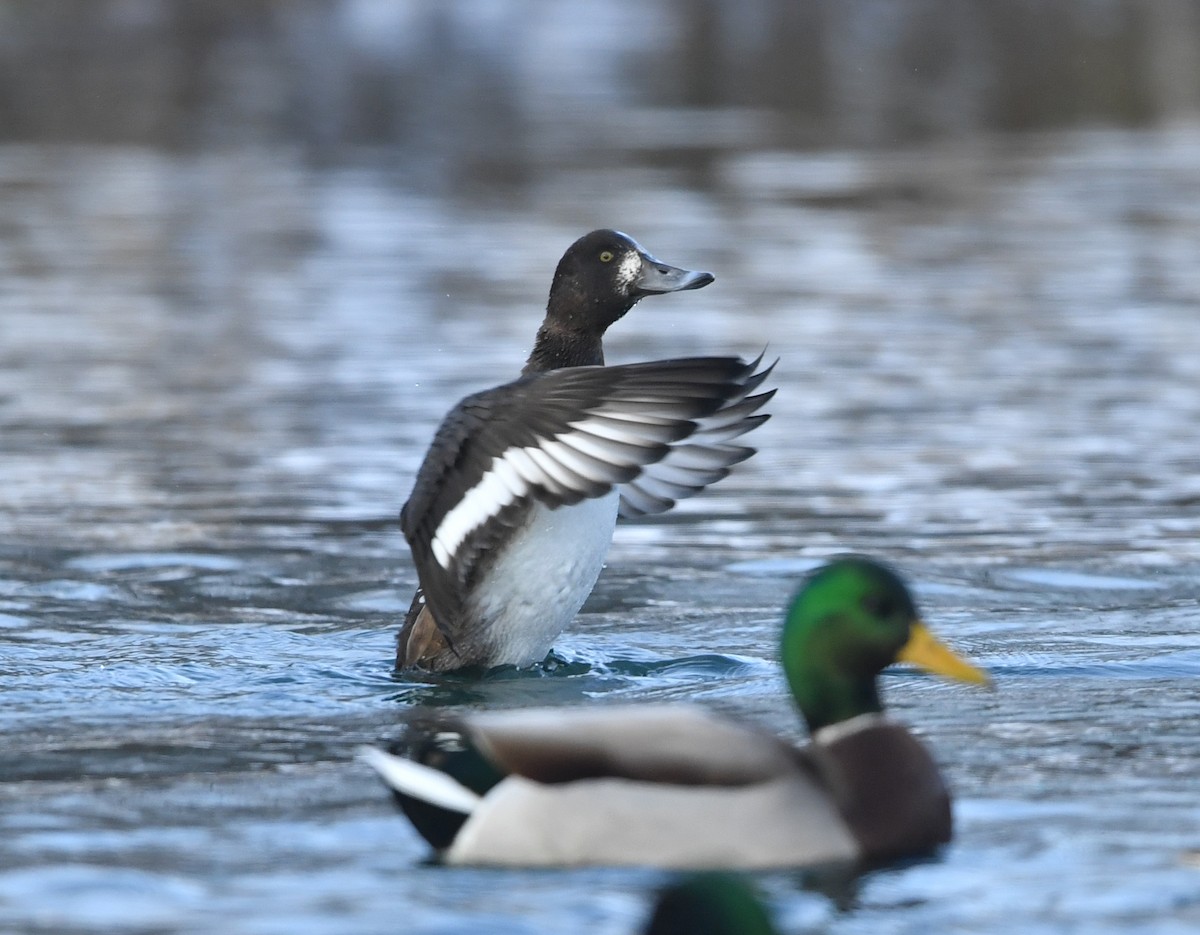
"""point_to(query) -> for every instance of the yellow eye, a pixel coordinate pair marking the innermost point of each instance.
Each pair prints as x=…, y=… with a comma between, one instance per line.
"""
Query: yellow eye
x=606, y=256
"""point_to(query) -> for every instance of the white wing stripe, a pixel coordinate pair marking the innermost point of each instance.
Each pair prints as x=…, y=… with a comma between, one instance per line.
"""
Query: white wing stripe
x=508, y=478
x=478, y=505
x=569, y=458
x=528, y=468
x=608, y=450
x=551, y=468
x=627, y=432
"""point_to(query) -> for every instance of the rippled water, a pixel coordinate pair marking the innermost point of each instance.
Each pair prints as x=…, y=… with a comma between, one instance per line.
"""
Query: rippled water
x=218, y=375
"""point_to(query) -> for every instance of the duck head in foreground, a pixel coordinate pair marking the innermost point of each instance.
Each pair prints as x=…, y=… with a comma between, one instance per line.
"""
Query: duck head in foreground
x=709, y=904
x=514, y=506
x=679, y=786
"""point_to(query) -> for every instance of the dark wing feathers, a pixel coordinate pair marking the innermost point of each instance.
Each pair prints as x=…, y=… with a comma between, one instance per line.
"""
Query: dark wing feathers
x=566, y=435
x=706, y=457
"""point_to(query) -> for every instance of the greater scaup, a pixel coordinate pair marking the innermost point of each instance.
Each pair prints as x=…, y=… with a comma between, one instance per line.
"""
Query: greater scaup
x=514, y=507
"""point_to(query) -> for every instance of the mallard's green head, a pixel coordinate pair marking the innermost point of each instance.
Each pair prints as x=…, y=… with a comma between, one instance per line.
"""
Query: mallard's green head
x=710, y=904
x=852, y=619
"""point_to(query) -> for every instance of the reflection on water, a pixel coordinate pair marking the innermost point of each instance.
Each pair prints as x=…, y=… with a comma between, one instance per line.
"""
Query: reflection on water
x=218, y=375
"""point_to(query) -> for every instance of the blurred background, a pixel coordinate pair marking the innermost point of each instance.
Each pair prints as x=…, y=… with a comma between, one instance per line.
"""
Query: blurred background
x=190, y=191
x=489, y=93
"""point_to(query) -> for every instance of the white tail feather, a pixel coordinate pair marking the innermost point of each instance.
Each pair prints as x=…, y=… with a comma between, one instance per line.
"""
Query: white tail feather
x=420, y=781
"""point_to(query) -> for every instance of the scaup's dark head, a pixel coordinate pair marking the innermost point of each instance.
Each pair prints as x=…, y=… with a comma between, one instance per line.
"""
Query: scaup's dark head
x=604, y=273
x=600, y=278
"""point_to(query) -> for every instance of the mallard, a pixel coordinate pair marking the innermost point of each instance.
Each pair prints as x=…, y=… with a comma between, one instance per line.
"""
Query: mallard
x=514, y=507
x=680, y=786
x=709, y=904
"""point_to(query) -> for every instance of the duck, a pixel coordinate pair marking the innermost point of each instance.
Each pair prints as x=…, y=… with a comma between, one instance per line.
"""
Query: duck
x=709, y=904
x=513, y=508
x=680, y=786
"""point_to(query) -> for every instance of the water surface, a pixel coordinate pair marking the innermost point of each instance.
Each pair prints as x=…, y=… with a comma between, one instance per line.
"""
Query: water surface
x=218, y=375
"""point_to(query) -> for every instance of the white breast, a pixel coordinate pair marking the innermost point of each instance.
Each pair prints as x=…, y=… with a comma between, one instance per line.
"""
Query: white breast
x=538, y=583
x=787, y=821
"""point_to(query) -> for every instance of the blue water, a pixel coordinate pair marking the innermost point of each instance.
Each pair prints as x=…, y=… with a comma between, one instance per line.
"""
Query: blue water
x=215, y=387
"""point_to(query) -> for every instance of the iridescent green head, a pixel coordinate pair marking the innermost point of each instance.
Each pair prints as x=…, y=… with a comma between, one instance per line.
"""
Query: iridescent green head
x=710, y=904
x=852, y=619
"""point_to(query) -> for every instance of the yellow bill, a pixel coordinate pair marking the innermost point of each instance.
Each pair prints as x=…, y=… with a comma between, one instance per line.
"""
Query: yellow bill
x=927, y=651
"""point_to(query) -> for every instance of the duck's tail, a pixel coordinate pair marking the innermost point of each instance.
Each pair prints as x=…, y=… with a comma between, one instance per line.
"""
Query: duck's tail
x=437, y=804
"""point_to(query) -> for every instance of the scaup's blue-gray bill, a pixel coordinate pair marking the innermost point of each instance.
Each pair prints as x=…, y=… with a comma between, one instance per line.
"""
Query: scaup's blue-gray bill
x=513, y=509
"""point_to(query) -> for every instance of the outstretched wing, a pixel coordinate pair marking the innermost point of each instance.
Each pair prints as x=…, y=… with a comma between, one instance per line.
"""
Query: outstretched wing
x=563, y=436
x=705, y=457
